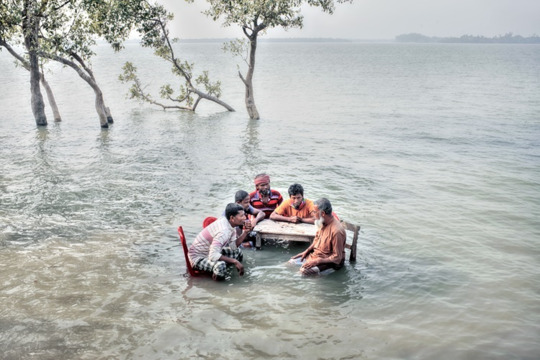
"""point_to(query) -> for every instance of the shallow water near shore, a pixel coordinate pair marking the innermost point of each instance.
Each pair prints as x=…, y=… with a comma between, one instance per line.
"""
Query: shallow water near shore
x=433, y=149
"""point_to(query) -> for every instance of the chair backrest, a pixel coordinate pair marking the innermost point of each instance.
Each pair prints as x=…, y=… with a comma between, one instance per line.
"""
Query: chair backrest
x=191, y=271
x=355, y=230
x=207, y=221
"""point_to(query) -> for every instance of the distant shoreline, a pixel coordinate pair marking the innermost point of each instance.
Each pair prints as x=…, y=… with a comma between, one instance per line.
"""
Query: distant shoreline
x=290, y=40
x=276, y=40
x=508, y=38
x=404, y=38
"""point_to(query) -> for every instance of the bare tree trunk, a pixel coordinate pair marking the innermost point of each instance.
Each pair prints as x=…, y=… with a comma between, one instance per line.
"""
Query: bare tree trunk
x=102, y=110
x=31, y=31
x=50, y=97
x=38, y=106
x=248, y=81
x=109, y=116
x=25, y=64
x=100, y=106
x=99, y=103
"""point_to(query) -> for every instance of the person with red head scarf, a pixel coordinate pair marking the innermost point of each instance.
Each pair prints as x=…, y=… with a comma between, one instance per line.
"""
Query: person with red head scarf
x=264, y=198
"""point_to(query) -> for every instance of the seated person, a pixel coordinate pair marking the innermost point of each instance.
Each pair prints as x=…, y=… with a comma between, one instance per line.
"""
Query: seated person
x=217, y=244
x=327, y=251
x=242, y=198
x=296, y=209
x=264, y=198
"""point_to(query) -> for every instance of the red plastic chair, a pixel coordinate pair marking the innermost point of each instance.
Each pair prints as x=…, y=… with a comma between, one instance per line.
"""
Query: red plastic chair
x=208, y=221
x=191, y=270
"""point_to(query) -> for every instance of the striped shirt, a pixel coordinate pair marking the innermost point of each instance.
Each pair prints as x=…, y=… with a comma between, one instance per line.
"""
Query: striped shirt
x=255, y=199
x=211, y=240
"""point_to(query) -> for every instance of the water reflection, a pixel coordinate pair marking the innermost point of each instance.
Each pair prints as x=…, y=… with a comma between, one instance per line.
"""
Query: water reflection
x=104, y=139
x=42, y=134
x=251, y=146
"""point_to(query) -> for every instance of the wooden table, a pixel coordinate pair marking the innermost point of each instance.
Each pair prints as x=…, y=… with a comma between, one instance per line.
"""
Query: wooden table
x=280, y=230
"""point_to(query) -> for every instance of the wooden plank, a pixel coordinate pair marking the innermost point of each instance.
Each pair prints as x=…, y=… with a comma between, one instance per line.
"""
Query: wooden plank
x=280, y=230
x=355, y=229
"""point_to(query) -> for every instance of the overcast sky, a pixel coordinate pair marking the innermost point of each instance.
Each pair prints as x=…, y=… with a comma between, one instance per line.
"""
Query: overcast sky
x=380, y=19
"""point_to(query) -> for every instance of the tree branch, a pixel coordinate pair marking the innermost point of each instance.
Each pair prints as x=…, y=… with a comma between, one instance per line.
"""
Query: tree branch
x=174, y=60
x=62, y=5
x=83, y=64
x=242, y=78
x=22, y=60
x=82, y=74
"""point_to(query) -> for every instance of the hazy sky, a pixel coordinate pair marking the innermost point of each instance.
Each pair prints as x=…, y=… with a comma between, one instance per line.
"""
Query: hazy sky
x=381, y=19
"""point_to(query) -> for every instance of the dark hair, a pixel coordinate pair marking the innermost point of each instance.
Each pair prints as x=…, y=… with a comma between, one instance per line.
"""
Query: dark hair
x=240, y=195
x=232, y=209
x=296, y=189
x=324, y=205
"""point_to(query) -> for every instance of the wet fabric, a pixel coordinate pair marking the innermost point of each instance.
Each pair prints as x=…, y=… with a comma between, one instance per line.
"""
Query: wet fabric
x=219, y=268
x=329, y=244
x=211, y=240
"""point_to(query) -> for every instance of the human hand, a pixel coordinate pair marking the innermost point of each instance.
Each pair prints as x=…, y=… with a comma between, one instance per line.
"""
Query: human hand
x=309, y=264
x=239, y=267
x=294, y=219
x=296, y=256
x=247, y=226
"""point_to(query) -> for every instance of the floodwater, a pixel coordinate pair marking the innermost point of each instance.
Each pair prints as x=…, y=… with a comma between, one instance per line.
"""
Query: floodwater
x=433, y=149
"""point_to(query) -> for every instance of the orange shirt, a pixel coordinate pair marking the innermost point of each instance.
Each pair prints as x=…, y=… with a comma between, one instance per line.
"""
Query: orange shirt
x=286, y=209
x=329, y=244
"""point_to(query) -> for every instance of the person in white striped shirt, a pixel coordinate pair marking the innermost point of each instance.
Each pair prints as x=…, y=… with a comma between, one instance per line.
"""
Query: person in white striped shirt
x=218, y=245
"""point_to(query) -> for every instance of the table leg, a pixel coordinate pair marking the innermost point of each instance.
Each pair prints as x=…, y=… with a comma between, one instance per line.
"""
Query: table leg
x=258, y=241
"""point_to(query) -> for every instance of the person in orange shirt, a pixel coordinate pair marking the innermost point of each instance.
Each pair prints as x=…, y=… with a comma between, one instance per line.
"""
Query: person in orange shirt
x=327, y=251
x=296, y=209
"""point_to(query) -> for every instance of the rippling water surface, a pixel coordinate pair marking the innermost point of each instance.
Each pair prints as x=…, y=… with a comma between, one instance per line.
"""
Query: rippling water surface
x=432, y=149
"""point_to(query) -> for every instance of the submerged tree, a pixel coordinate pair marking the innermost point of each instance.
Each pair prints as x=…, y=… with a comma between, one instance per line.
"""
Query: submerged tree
x=155, y=34
x=20, y=21
x=255, y=16
x=48, y=29
x=26, y=65
x=65, y=31
x=74, y=26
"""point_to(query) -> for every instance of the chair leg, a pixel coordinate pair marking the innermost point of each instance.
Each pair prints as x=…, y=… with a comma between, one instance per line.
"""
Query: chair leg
x=352, y=257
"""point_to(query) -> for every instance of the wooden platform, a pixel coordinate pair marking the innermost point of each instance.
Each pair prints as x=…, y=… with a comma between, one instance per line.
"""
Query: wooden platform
x=279, y=230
